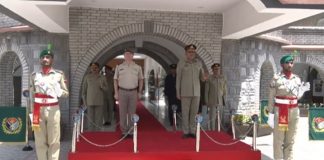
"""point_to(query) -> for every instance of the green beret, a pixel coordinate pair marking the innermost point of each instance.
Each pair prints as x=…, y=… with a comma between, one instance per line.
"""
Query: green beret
x=286, y=58
x=46, y=52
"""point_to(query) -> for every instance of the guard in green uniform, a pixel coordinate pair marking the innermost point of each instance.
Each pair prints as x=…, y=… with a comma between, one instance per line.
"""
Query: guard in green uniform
x=47, y=86
x=285, y=89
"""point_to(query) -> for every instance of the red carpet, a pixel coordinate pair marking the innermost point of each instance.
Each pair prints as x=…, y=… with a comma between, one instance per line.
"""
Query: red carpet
x=155, y=143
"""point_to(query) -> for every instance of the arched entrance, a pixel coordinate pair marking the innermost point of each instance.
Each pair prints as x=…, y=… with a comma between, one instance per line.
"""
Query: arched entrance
x=14, y=75
x=165, y=48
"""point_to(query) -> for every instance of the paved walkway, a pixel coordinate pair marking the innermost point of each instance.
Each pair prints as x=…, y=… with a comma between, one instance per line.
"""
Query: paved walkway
x=304, y=149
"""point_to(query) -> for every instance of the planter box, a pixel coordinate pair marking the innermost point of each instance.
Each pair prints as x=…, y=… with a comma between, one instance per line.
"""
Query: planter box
x=242, y=129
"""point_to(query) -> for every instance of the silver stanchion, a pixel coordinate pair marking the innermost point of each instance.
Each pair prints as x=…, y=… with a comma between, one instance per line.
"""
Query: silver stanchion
x=233, y=126
x=135, y=119
x=255, y=120
x=27, y=147
x=199, y=120
x=82, y=119
x=127, y=119
x=78, y=129
x=74, y=134
x=174, y=109
x=218, y=120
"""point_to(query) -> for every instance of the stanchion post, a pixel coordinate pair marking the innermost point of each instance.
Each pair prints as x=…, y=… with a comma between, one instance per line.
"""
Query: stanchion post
x=82, y=120
x=218, y=120
x=255, y=130
x=233, y=126
x=174, y=109
x=74, y=132
x=135, y=119
x=199, y=119
x=26, y=95
x=78, y=128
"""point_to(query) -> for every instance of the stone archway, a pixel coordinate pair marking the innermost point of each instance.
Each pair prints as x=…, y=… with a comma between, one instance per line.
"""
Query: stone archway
x=9, y=52
x=122, y=33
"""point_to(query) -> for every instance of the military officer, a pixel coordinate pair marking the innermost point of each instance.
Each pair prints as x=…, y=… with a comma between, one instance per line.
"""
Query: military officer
x=285, y=89
x=109, y=96
x=47, y=86
x=93, y=88
x=215, y=94
x=128, y=86
x=189, y=74
x=170, y=92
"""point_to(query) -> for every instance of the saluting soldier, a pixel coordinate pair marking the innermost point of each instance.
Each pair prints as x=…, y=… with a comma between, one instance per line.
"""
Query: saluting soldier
x=128, y=85
x=215, y=94
x=189, y=74
x=93, y=88
x=47, y=86
x=285, y=90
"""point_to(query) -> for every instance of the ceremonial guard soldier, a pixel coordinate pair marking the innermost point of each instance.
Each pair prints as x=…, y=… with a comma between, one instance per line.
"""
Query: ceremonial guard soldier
x=285, y=90
x=47, y=86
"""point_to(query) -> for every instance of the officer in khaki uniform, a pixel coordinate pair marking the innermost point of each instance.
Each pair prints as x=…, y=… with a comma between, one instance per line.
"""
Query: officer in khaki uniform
x=285, y=89
x=189, y=73
x=93, y=88
x=128, y=85
x=215, y=94
x=47, y=86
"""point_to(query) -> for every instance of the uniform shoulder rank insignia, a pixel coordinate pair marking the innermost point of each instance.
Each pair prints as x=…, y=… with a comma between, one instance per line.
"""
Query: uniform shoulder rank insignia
x=58, y=71
x=296, y=75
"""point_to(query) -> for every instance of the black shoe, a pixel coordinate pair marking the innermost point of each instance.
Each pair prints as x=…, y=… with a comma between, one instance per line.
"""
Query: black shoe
x=130, y=136
x=184, y=136
x=191, y=135
x=107, y=123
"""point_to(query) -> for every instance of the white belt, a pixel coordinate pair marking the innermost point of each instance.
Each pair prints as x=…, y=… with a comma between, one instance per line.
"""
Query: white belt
x=46, y=100
x=285, y=101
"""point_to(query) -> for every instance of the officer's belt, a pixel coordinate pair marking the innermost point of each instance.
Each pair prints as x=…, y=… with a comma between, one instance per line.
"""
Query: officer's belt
x=46, y=101
x=41, y=100
x=286, y=101
x=125, y=89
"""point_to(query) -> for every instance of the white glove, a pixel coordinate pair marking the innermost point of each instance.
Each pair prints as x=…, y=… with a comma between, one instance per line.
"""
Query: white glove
x=58, y=90
x=51, y=92
x=271, y=120
x=303, y=88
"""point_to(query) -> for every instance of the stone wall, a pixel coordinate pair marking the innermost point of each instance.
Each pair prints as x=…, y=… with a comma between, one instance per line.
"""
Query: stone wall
x=92, y=31
x=25, y=47
x=249, y=65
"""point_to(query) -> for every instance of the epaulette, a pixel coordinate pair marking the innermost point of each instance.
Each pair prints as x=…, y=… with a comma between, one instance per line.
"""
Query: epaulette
x=296, y=75
x=58, y=71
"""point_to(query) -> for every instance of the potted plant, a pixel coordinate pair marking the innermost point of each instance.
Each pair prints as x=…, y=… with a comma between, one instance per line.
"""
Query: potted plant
x=244, y=126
